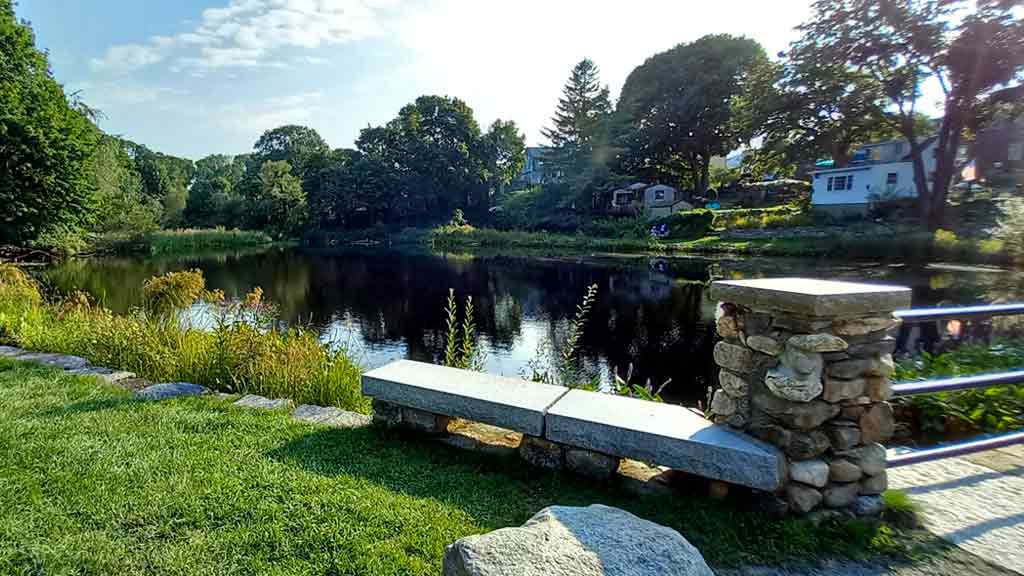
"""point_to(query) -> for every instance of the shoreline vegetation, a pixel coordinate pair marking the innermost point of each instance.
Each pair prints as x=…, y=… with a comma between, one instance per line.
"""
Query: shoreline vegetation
x=244, y=351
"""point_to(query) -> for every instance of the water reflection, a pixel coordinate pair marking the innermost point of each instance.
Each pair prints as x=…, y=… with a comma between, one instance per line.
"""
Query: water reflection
x=651, y=313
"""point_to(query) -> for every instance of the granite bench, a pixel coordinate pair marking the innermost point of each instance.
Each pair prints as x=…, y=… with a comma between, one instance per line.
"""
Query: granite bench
x=586, y=432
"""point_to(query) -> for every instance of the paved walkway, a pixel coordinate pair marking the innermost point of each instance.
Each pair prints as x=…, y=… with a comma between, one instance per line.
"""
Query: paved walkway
x=975, y=502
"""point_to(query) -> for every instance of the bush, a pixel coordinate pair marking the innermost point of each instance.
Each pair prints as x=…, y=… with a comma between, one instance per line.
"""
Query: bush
x=243, y=352
x=637, y=228
x=687, y=225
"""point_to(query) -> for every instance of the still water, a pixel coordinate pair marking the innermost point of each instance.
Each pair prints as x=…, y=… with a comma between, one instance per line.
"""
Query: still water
x=651, y=313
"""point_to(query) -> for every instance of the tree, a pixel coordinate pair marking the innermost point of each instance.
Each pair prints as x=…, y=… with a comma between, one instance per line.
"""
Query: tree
x=301, y=147
x=46, y=145
x=121, y=205
x=898, y=45
x=504, y=151
x=579, y=128
x=278, y=204
x=677, y=108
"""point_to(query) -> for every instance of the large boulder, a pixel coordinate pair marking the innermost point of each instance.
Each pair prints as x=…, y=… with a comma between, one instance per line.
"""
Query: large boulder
x=568, y=541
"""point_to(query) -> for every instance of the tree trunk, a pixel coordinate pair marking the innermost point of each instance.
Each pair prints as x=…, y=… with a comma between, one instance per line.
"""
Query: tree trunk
x=945, y=163
x=840, y=154
x=703, y=174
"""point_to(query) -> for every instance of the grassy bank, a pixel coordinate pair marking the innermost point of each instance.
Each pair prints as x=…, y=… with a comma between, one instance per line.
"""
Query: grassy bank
x=96, y=482
x=184, y=240
x=995, y=409
x=153, y=342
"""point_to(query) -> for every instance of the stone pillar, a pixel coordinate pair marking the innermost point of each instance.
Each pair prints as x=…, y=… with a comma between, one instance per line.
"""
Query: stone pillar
x=805, y=365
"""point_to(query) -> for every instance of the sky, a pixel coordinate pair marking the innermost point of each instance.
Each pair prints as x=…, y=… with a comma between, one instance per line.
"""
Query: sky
x=197, y=77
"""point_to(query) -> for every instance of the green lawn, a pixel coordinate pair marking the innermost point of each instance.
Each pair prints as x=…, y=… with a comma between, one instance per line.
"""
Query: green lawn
x=95, y=482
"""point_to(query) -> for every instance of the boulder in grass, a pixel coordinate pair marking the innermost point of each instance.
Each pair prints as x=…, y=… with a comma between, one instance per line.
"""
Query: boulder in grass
x=62, y=361
x=171, y=390
x=562, y=541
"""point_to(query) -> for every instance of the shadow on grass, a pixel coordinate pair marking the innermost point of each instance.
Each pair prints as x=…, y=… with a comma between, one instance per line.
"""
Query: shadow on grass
x=91, y=405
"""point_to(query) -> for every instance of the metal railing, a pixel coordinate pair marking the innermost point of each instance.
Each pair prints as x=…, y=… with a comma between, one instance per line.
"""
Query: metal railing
x=1013, y=377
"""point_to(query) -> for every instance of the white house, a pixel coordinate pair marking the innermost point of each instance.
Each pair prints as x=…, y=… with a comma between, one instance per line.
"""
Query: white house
x=653, y=202
x=876, y=171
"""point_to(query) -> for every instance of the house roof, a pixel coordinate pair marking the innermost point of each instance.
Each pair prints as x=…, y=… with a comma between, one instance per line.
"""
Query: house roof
x=857, y=168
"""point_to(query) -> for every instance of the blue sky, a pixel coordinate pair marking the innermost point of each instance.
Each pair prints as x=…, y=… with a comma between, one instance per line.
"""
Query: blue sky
x=195, y=77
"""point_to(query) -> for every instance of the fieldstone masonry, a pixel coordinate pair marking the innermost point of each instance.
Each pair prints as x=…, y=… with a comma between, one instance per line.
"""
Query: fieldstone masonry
x=805, y=366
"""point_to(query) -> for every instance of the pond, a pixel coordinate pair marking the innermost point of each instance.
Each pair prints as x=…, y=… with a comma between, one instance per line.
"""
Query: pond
x=651, y=313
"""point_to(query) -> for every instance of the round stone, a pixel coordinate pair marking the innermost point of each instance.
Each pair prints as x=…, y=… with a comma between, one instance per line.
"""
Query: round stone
x=802, y=499
x=877, y=423
x=841, y=495
x=842, y=470
x=736, y=385
x=786, y=384
x=838, y=389
x=811, y=472
x=875, y=484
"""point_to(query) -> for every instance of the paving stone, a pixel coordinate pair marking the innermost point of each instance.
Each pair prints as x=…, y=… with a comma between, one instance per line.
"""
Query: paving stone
x=107, y=374
x=63, y=361
x=510, y=403
x=812, y=297
x=662, y=434
x=263, y=403
x=168, y=390
x=11, y=351
x=331, y=416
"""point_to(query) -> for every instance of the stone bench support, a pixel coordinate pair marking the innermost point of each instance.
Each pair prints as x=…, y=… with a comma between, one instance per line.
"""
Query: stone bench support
x=805, y=365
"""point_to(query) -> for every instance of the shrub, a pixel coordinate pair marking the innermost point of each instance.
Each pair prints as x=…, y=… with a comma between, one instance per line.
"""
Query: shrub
x=945, y=238
x=686, y=225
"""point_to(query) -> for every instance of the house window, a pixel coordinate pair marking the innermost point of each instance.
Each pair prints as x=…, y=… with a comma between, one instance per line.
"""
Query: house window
x=830, y=179
x=891, y=178
x=659, y=194
x=1015, y=152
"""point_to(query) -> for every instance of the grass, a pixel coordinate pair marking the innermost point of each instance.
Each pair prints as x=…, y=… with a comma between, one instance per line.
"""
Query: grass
x=994, y=409
x=95, y=482
x=182, y=241
x=153, y=342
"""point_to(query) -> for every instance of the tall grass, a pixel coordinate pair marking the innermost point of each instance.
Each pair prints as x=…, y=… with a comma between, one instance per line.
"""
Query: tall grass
x=183, y=240
x=244, y=352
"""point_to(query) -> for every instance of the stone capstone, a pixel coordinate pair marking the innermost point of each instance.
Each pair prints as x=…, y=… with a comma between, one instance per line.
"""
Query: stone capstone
x=877, y=423
x=801, y=415
x=765, y=345
x=862, y=326
x=842, y=470
x=541, y=453
x=566, y=541
x=590, y=464
x=736, y=385
x=841, y=495
x=812, y=297
x=171, y=390
x=875, y=484
x=331, y=416
x=812, y=472
x=802, y=499
x=818, y=343
x=734, y=357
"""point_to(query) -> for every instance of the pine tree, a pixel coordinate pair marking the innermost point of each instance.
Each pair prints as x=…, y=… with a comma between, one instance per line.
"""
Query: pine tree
x=579, y=126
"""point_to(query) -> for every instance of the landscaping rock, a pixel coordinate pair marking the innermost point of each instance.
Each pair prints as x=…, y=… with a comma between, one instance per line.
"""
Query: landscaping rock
x=878, y=389
x=11, y=351
x=723, y=404
x=841, y=495
x=765, y=345
x=870, y=458
x=331, y=416
x=805, y=364
x=423, y=421
x=862, y=326
x=108, y=375
x=734, y=357
x=590, y=463
x=541, y=453
x=818, y=343
x=868, y=506
x=256, y=401
x=62, y=361
x=842, y=470
x=802, y=499
x=566, y=541
x=785, y=383
x=728, y=327
x=171, y=390
x=885, y=346
x=837, y=389
x=736, y=385
x=803, y=446
x=801, y=415
x=811, y=472
x=850, y=369
x=877, y=423
x=843, y=437
x=386, y=414
x=875, y=484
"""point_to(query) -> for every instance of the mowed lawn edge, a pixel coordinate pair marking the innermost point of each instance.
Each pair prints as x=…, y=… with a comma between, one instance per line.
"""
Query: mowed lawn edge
x=93, y=481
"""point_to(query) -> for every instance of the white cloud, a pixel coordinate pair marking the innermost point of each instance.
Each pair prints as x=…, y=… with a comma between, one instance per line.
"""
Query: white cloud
x=246, y=33
x=253, y=118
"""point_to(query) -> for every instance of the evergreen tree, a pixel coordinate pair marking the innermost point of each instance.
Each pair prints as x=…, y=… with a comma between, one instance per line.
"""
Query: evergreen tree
x=579, y=127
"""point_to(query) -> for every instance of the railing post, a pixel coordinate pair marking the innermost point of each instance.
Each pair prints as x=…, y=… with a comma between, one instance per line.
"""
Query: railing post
x=805, y=365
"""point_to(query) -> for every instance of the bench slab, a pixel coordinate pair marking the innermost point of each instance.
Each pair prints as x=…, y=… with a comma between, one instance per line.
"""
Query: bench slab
x=662, y=434
x=504, y=402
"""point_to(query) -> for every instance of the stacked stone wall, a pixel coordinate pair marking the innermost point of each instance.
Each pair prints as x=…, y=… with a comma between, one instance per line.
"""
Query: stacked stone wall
x=818, y=389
